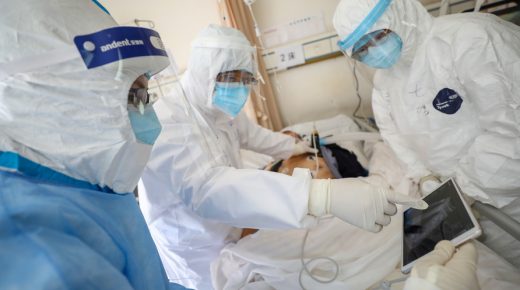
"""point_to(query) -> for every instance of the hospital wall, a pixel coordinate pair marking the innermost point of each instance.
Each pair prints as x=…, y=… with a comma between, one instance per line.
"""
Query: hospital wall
x=318, y=90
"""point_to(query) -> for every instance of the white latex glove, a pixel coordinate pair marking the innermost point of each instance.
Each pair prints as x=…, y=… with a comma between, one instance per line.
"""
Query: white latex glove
x=357, y=202
x=429, y=183
x=301, y=147
x=446, y=269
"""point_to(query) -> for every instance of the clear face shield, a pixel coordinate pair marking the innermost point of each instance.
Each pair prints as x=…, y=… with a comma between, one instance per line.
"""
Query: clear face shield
x=379, y=49
x=138, y=51
x=207, y=104
x=367, y=49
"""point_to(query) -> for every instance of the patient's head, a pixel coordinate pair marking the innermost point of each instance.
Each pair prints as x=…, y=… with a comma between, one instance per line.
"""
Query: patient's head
x=332, y=161
x=319, y=170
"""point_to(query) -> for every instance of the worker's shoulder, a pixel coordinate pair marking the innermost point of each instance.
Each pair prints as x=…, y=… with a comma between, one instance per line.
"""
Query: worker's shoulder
x=471, y=26
x=456, y=35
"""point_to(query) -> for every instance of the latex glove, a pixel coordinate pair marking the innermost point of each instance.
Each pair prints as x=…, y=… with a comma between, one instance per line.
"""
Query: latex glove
x=428, y=183
x=357, y=202
x=301, y=147
x=446, y=269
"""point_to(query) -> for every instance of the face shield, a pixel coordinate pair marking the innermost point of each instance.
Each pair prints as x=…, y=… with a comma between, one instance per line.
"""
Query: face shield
x=379, y=49
x=119, y=44
x=218, y=80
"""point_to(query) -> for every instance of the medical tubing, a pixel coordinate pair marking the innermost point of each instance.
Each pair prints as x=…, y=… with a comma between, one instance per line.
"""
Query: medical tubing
x=499, y=218
x=387, y=285
x=315, y=144
x=304, y=264
x=357, y=93
x=258, y=33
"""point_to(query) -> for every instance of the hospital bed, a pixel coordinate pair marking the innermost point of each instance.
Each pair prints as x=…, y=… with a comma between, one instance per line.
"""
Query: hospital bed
x=271, y=259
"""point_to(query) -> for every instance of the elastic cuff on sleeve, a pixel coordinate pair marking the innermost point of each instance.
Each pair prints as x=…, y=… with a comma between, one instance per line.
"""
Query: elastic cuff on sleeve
x=319, y=197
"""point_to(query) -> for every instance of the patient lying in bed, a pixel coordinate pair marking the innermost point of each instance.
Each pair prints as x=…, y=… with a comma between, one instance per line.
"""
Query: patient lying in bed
x=271, y=259
x=331, y=161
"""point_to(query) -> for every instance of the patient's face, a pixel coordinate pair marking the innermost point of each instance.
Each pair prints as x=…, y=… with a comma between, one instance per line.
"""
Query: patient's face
x=300, y=161
x=306, y=161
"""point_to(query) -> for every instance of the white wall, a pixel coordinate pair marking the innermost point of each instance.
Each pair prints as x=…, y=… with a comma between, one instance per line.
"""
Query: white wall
x=317, y=90
x=178, y=21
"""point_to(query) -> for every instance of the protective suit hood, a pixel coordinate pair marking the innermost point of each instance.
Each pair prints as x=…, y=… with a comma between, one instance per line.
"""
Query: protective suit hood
x=56, y=112
x=408, y=18
x=216, y=49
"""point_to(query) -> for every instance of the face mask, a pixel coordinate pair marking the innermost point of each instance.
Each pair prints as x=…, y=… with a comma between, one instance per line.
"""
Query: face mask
x=230, y=98
x=146, y=126
x=385, y=54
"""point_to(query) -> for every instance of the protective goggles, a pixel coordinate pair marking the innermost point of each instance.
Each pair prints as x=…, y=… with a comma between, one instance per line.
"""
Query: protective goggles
x=237, y=76
x=360, y=49
x=138, y=96
x=367, y=23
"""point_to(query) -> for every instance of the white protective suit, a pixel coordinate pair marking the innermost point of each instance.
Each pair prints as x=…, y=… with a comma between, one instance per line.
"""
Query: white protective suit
x=475, y=55
x=450, y=104
x=69, y=158
x=195, y=169
x=98, y=145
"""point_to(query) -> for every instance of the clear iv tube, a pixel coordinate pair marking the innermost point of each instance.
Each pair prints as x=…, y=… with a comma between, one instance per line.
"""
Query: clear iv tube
x=316, y=145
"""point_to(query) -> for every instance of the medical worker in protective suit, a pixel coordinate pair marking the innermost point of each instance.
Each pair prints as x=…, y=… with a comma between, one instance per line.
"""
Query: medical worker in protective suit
x=75, y=134
x=194, y=192
x=446, y=93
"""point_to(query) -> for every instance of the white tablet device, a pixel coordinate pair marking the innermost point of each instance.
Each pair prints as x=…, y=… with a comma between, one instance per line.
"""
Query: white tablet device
x=447, y=217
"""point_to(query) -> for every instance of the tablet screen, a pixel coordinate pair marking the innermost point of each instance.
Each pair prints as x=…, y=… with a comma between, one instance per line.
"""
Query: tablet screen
x=445, y=219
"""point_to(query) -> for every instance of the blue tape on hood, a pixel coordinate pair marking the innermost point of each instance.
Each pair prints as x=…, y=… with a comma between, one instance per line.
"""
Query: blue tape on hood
x=365, y=25
x=101, y=6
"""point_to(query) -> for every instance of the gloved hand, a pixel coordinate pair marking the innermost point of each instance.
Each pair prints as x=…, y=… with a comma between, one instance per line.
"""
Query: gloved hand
x=428, y=183
x=446, y=269
x=300, y=147
x=357, y=202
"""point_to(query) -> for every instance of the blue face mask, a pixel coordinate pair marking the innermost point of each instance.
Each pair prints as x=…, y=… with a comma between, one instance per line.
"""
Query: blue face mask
x=146, y=126
x=385, y=53
x=230, y=98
